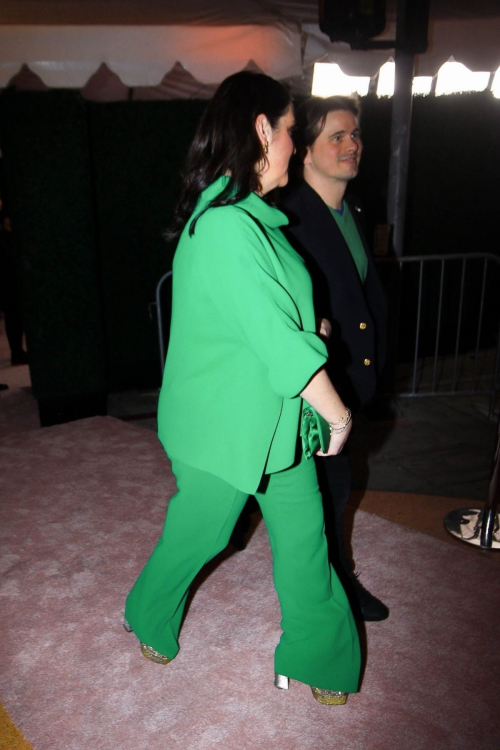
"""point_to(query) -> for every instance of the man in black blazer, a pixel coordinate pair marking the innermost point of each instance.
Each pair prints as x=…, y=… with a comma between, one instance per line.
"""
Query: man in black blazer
x=325, y=229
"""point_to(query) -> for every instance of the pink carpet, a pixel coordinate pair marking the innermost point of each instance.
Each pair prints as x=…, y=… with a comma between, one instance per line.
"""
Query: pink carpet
x=82, y=506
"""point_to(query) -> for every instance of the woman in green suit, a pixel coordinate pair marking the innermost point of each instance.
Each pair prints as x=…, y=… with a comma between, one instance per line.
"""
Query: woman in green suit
x=243, y=352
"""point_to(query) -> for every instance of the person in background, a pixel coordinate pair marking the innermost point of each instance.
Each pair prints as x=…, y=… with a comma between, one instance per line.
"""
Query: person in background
x=243, y=351
x=325, y=227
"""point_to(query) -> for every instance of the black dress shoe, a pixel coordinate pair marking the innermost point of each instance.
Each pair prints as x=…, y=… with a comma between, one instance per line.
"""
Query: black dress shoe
x=365, y=606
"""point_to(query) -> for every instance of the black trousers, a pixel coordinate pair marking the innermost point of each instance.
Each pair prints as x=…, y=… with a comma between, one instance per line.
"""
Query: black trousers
x=334, y=477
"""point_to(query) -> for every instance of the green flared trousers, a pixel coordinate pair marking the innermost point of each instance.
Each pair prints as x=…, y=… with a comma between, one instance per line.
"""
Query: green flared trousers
x=319, y=644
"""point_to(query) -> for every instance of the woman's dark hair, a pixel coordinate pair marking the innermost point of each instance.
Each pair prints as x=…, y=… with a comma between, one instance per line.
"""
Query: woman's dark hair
x=311, y=117
x=226, y=143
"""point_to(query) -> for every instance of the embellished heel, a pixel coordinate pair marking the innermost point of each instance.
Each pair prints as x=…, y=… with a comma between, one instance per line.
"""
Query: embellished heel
x=329, y=697
x=148, y=651
x=153, y=655
x=326, y=697
x=281, y=682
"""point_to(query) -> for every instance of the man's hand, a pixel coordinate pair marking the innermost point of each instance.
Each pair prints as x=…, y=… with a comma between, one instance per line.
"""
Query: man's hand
x=324, y=329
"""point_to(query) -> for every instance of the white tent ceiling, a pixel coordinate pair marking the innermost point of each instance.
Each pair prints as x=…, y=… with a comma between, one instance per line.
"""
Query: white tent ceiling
x=141, y=55
x=65, y=42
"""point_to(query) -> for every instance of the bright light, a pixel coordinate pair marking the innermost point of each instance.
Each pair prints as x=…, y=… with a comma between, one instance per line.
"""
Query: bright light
x=328, y=80
x=422, y=85
x=385, y=85
x=454, y=78
x=495, y=86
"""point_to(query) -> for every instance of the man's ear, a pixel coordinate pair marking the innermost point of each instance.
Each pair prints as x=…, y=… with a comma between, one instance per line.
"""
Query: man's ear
x=263, y=128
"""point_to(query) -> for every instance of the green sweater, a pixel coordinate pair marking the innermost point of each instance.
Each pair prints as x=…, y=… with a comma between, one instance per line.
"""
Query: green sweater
x=242, y=344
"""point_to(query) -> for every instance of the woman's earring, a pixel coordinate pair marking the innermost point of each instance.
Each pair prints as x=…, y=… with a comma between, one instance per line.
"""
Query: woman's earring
x=266, y=147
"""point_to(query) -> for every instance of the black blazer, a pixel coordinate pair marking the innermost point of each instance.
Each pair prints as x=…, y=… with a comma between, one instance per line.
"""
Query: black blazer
x=357, y=311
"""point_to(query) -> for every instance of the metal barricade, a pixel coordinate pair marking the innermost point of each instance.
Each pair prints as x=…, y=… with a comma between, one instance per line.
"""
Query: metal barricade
x=160, y=317
x=449, y=307
x=434, y=368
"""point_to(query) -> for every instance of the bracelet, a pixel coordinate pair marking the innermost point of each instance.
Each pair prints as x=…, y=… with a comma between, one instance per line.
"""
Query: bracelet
x=343, y=419
x=338, y=430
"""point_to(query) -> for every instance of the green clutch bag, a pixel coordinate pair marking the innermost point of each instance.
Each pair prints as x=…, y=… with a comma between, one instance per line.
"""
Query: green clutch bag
x=314, y=431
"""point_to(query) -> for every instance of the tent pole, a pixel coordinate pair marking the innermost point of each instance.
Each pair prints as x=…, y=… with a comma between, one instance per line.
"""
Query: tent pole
x=400, y=147
x=400, y=128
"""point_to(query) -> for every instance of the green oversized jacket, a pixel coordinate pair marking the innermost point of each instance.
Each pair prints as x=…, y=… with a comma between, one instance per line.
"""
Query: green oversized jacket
x=242, y=344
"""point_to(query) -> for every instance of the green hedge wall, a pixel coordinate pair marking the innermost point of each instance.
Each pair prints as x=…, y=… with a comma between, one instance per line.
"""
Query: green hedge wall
x=48, y=185
x=454, y=174
x=138, y=150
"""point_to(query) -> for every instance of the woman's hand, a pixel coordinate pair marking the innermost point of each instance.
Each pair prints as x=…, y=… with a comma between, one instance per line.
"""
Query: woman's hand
x=324, y=329
x=337, y=441
x=323, y=397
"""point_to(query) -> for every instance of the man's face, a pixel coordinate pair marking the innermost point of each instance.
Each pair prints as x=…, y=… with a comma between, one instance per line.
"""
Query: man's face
x=336, y=152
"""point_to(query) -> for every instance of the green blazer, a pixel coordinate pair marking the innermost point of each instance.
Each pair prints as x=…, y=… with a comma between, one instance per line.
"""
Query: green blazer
x=242, y=344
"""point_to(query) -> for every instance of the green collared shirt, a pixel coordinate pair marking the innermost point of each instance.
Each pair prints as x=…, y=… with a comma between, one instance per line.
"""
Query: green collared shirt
x=347, y=225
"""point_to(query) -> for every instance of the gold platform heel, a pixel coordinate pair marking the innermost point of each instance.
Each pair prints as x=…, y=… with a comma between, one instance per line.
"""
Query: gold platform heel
x=148, y=651
x=326, y=697
x=329, y=697
x=153, y=655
